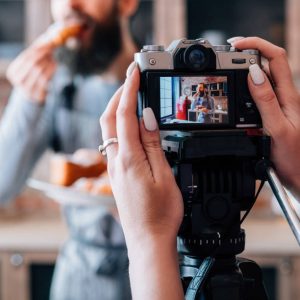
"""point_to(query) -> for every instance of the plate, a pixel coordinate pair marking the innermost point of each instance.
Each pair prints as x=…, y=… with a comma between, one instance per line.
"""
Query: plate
x=69, y=195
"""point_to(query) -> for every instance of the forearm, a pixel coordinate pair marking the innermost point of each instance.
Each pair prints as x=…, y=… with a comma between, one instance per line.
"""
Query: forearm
x=18, y=133
x=154, y=270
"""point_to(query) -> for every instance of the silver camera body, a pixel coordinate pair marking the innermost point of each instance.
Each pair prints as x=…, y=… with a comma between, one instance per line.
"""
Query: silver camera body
x=223, y=72
x=154, y=57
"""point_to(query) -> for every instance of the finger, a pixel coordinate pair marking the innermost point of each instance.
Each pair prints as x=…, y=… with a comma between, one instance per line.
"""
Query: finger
x=35, y=79
x=266, y=68
x=35, y=62
x=40, y=87
x=108, y=123
x=151, y=142
x=279, y=66
x=266, y=101
x=23, y=65
x=127, y=120
x=49, y=72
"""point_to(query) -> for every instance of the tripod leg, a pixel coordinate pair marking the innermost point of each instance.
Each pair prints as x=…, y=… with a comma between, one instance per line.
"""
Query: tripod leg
x=197, y=282
x=284, y=202
x=253, y=280
x=224, y=287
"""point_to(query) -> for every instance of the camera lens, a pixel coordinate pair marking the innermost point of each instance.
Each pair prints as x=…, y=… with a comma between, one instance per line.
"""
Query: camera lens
x=195, y=57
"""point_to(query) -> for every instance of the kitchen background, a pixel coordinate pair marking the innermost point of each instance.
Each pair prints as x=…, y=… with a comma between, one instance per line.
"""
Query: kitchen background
x=31, y=230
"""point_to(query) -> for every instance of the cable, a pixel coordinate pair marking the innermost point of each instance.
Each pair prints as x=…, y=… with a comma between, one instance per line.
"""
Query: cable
x=255, y=198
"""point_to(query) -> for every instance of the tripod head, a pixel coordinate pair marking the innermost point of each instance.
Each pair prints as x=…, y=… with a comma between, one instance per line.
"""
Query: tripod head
x=216, y=172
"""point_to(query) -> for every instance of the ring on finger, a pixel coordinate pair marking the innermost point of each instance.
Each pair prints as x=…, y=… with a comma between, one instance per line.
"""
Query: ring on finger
x=106, y=143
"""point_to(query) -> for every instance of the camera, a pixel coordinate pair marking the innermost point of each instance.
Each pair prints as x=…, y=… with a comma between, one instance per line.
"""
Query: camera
x=193, y=85
x=199, y=95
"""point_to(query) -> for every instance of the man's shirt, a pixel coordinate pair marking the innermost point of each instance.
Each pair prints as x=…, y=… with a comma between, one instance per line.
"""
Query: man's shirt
x=92, y=264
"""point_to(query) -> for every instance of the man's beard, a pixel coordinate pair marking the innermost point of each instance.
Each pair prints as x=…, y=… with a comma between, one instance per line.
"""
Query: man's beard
x=105, y=45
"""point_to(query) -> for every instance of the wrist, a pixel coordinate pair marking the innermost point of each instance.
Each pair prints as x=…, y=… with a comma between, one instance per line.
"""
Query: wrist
x=149, y=244
x=139, y=240
x=154, y=261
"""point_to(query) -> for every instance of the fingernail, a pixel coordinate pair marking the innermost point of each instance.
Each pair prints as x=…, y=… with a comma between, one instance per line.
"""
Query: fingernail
x=234, y=39
x=130, y=69
x=149, y=119
x=257, y=74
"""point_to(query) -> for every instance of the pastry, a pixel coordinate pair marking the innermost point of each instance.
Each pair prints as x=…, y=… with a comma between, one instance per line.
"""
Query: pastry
x=66, y=169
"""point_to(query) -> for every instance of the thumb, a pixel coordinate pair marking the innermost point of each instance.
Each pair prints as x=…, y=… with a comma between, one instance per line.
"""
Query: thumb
x=150, y=138
x=266, y=101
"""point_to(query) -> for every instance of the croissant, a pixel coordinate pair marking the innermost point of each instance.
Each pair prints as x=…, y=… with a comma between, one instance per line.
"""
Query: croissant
x=65, y=33
x=66, y=169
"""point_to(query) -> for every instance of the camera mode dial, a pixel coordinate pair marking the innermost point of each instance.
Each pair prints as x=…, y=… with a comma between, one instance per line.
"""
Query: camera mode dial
x=251, y=51
x=222, y=48
x=151, y=48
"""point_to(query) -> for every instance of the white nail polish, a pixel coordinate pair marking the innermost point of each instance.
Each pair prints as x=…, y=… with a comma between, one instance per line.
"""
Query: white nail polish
x=234, y=39
x=130, y=69
x=149, y=119
x=257, y=74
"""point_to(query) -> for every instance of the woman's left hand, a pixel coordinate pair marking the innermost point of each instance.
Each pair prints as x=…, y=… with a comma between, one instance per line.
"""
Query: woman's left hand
x=147, y=196
x=149, y=201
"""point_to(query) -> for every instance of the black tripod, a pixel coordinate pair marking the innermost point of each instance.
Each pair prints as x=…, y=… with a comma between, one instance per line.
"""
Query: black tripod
x=216, y=172
x=229, y=279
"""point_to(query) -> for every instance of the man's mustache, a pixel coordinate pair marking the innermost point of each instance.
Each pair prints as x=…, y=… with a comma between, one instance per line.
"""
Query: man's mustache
x=80, y=17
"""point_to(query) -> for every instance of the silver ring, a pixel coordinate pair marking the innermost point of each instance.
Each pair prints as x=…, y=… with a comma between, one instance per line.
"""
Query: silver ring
x=108, y=142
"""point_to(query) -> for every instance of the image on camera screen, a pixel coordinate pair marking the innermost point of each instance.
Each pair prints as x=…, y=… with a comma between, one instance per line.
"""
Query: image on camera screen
x=194, y=99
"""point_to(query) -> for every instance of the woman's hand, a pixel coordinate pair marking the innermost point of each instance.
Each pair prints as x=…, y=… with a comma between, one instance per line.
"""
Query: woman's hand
x=149, y=201
x=147, y=196
x=279, y=108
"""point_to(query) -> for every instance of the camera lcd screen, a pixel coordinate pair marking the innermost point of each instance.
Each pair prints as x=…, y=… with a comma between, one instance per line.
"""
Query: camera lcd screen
x=194, y=99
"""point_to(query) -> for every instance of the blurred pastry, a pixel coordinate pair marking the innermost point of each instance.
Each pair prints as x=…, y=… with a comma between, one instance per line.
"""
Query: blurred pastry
x=101, y=186
x=59, y=33
x=66, y=169
x=95, y=186
x=65, y=33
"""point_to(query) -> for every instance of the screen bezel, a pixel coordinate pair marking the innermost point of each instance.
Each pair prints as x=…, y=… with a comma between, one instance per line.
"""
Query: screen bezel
x=152, y=93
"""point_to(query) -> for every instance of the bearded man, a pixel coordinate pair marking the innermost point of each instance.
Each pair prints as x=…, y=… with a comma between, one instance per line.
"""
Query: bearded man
x=58, y=97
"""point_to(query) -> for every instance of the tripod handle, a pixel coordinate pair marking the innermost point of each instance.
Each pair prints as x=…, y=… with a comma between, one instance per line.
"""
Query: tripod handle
x=284, y=202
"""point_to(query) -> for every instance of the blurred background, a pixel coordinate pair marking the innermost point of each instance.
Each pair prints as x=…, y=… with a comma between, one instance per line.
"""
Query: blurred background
x=31, y=230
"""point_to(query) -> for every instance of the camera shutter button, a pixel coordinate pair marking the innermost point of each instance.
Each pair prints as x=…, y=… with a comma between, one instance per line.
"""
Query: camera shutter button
x=153, y=48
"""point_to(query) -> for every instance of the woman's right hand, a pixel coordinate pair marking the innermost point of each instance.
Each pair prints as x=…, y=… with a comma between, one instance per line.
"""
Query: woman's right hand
x=279, y=108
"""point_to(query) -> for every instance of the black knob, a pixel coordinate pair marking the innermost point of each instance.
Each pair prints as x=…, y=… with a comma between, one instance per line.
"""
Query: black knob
x=217, y=208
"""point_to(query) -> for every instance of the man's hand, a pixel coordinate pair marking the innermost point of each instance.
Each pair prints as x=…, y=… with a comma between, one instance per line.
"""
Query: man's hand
x=32, y=70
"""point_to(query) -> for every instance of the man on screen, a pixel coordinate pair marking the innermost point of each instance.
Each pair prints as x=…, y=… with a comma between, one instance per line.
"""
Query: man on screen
x=205, y=104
